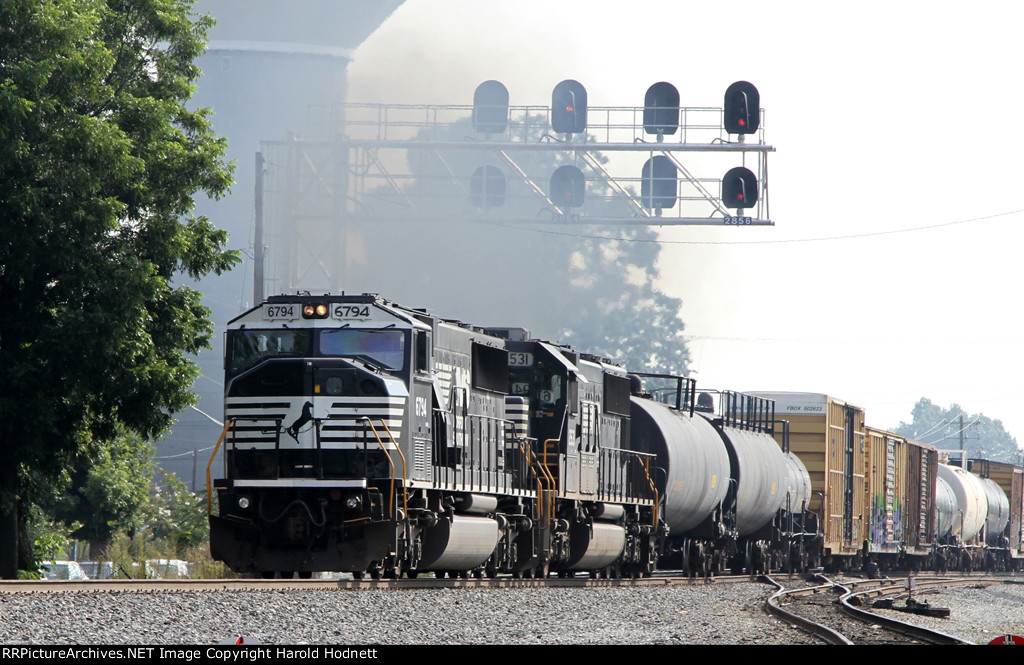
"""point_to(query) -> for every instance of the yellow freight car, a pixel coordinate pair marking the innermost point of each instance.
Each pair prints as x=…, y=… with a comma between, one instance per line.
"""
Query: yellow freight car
x=900, y=491
x=828, y=436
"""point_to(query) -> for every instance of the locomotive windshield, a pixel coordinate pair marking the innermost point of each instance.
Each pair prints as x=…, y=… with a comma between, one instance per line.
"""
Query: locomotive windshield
x=250, y=346
x=383, y=347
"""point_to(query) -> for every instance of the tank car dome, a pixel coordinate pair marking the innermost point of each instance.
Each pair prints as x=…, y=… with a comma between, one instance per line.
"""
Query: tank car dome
x=705, y=403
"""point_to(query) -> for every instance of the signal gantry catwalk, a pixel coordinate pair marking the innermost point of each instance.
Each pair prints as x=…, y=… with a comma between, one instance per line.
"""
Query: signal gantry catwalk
x=586, y=187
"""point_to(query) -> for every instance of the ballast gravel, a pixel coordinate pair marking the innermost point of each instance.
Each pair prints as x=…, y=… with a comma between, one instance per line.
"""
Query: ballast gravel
x=691, y=614
x=698, y=614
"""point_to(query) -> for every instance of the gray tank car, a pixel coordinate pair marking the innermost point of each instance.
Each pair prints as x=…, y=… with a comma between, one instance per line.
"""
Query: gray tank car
x=733, y=498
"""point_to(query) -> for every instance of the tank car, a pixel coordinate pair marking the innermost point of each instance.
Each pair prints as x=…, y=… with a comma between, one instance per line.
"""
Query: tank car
x=1004, y=525
x=963, y=547
x=733, y=498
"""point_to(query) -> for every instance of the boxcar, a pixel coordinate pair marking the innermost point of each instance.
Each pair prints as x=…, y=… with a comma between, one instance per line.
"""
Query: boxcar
x=900, y=479
x=828, y=436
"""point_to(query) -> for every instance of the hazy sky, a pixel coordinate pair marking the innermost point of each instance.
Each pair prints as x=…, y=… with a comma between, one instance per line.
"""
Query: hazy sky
x=893, y=271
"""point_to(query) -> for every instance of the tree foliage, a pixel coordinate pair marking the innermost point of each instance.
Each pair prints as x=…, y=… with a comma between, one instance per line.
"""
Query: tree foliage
x=983, y=437
x=107, y=491
x=179, y=516
x=99, y=161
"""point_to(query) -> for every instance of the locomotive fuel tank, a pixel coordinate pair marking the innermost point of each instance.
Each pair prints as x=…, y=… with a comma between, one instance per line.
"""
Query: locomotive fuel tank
x=461, y=543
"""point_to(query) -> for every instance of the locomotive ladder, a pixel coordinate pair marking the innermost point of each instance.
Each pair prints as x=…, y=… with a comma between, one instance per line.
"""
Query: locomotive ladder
x=384, y=449
x=546, y=485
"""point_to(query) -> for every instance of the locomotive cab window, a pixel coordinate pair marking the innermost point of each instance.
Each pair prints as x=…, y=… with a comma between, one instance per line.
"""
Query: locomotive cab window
x=381, y=347
x=247, y=347
x=422, y=351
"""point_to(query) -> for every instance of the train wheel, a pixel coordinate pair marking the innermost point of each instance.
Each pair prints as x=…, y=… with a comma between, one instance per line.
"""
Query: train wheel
x=305, y=574
x=287, y=574
x=357, y=574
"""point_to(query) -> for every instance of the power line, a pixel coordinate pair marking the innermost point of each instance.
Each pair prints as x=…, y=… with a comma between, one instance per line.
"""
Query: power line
x=764, y=242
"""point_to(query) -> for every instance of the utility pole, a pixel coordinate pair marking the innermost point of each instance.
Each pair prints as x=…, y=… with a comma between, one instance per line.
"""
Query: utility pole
x=258, y=260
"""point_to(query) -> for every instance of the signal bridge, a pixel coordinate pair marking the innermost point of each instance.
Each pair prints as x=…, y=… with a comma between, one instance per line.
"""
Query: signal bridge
x=660, y=164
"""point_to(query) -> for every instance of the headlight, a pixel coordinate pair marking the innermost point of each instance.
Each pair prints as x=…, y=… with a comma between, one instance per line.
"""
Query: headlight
x=354, y=502
x=315, y=311
x=243, y=502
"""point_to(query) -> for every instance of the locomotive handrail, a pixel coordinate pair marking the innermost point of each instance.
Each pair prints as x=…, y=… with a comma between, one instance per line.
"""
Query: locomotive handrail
x=545, y=483
x=785, y=433
x=685, y=397
x=528, y=454
x=645, y=465
x=405, y=493
x=549, y=498
x=391, y=462
x=209, y=484
x=493, y=426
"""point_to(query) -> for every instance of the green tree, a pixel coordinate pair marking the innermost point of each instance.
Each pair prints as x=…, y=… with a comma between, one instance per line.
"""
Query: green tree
x=99, y=161
x=108, y=491
x=982, y=436
x=179, y=517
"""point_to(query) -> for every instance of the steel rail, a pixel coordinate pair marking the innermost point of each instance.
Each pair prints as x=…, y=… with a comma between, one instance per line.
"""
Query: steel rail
x=917, y=632
x=773, y=606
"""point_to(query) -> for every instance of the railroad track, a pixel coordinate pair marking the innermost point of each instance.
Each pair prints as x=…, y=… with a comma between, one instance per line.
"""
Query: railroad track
x=424, y=582
x=834, y=612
